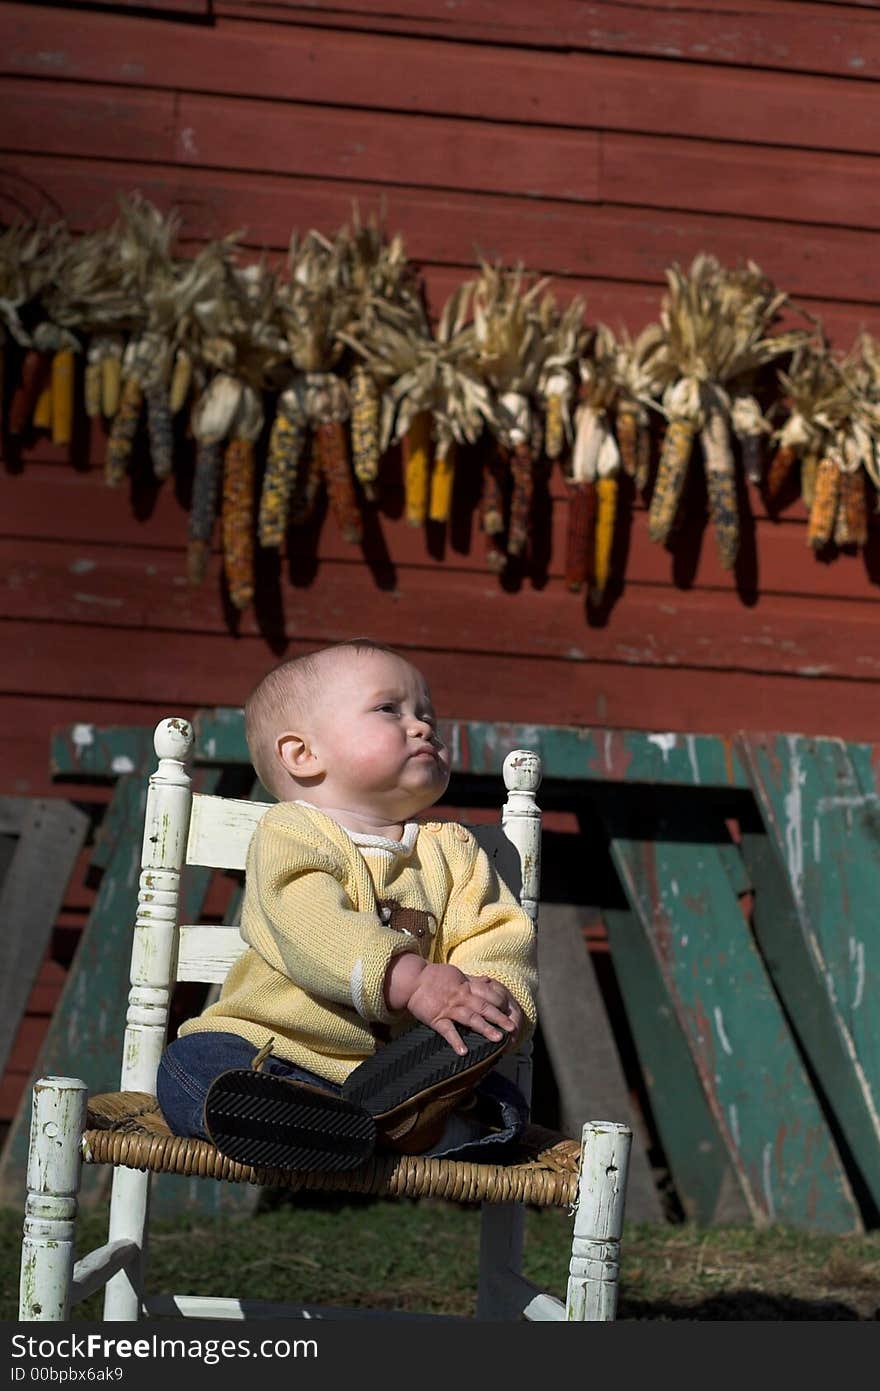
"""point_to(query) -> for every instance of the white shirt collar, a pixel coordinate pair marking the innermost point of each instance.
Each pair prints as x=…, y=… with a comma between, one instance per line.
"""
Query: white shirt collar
x=367, y=842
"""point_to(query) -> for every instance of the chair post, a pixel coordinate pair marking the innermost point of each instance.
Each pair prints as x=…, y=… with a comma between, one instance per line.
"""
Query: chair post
x=153, y=958
x=58, y=1117
x=598, y=1223
x=502, y=1225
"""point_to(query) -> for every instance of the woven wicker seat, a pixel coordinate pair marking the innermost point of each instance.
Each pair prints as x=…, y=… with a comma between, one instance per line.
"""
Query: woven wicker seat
x=127, y=1131
x=127, y=1128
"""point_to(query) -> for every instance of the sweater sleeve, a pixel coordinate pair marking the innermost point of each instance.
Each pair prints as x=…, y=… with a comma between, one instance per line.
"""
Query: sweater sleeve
x=299, y=916
x=487, y=933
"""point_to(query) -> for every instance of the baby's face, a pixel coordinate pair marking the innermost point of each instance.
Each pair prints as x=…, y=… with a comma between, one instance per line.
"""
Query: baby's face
x=375, y=731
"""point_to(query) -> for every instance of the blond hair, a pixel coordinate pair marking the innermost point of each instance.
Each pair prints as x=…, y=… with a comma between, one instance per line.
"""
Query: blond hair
x=285, y=694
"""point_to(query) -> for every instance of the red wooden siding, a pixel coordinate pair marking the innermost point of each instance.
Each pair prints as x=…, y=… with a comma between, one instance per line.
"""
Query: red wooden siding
x=596, y=143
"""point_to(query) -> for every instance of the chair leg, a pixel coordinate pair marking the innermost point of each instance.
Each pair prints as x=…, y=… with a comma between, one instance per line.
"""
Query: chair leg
x=58, y=1118
x=598, y=1224
x=129, y=1201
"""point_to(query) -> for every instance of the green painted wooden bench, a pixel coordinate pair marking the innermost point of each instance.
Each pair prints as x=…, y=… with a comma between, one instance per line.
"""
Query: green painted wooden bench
x=744, y=871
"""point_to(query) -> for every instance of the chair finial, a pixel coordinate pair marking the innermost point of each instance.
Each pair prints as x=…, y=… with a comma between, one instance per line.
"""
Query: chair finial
x=522, y=771
x=173, y=738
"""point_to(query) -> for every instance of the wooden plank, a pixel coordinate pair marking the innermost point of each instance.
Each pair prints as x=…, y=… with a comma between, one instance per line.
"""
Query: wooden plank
x=720, y=997
x=50, y=836
x=580, y=1042
x=633, y=244
x=488, y=683
x=106, y=122
x=307, y=64
x=816, y=875
x=699, y=630
x=755, y=35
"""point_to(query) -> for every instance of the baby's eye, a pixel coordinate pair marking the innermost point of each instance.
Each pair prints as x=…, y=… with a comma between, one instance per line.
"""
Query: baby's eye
x=389, y=706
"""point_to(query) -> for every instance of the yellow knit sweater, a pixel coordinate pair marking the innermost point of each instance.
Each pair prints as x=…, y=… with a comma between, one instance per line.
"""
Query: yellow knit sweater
x=313, y=975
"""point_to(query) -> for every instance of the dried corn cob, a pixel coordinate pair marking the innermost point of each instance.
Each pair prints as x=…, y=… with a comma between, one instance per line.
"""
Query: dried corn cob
x=333, y=455
x=752, y=450
x=365, y=402
x=160, y=429
x=554, y=426
x=111, y=375
x=36, y=372
x=643, y=457
x=181, y=380
x=62, y=396
x=626, y=422
x=522, y=473
x=851, y=522
x=120, y=440
x=203, y=508
x=42, y=417
x=720, y=473
x=92, y=381
x=282, y=462
x=671, y=475
x=307, y=484
x=781, y=467
x=492, y=495
x=824, y=506
x=496, y=556
x=415, y=448
x=749, y=426
x=809, y=469
x=581, y=534
x=442, y=479
x=238, y=517
x=606, y=513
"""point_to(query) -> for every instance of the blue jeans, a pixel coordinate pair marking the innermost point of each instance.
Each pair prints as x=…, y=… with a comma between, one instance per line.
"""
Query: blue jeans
x=189, y=1065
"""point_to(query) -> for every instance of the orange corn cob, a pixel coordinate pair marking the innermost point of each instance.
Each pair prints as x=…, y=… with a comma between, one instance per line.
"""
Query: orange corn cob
x=627, y=430
x=36, y=371
x=781, y=466
x=62, y=396
x=606, y=513
x=415, y=453
x=120, y=440
x=851, y=522
x=42, y=418
x=824, y=505
x=442, y=479
x=238, y=521
x=521, y=498
x=334, y=464
x=581, y=534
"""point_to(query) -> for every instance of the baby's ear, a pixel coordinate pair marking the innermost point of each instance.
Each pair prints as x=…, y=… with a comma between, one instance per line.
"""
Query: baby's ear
x=297, y=756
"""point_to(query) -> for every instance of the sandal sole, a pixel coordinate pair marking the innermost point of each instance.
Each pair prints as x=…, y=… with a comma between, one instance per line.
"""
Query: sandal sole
x=416, y=1064
x=255, y=1118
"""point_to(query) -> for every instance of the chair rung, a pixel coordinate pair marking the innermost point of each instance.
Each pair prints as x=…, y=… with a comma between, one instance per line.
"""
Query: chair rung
x=194, y=1306
x=95, y=1269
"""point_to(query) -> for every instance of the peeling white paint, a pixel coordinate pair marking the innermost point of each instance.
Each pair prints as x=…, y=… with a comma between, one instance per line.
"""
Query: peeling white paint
x=608, y=748
x=673, y=884
x=122, y=764
x=691, y=743
x=82, y=567
x=734, y=1124
x=685, y=939
x=794, y=829
x=861, y=799
x=83, y=736
x=188, y=140
x=719, y=1028
x=665, y=743
x=104, y=601
x=768, y=1189
x=211, y=747
x=857, y=955
x=817, y=840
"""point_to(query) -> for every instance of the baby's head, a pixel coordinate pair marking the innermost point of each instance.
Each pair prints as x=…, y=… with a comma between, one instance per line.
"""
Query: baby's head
x=350, y=728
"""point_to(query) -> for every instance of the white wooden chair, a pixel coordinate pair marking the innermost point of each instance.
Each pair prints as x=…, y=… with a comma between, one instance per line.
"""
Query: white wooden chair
x=126, y=1129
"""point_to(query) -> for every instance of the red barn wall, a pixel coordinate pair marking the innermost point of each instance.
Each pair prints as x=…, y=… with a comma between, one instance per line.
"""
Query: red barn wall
x=597, y=143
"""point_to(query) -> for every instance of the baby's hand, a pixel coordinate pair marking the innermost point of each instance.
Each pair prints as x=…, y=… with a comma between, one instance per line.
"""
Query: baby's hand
x=444, y=996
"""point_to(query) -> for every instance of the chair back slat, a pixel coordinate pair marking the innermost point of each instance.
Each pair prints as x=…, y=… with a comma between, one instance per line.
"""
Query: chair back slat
x=220, y=830
x=206, y=953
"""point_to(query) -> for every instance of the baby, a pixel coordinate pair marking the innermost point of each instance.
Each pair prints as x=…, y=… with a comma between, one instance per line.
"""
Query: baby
x=387, y=966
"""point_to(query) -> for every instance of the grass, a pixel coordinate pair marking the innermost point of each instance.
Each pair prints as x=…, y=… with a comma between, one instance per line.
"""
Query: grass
x=422, y=1256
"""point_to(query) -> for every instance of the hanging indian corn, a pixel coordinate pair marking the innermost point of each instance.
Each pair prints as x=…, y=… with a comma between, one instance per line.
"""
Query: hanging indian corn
x=307, y=484
x=823, y=508
x=42, y=417
x=809, y=469
x=442, y=479
x=415, y=453
x=203, y=508
x=365, y=405
x=607, y=470
x=327, y=408
x=582, y=496
x=160, y=429
x=181, y=380
x=238, y=498
x=674, y=459
x=113, y=349
x=516, y=424
x=720, y=472
x=750, y=428
x=92, y=380
x=36, y=373
x=283, y=459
